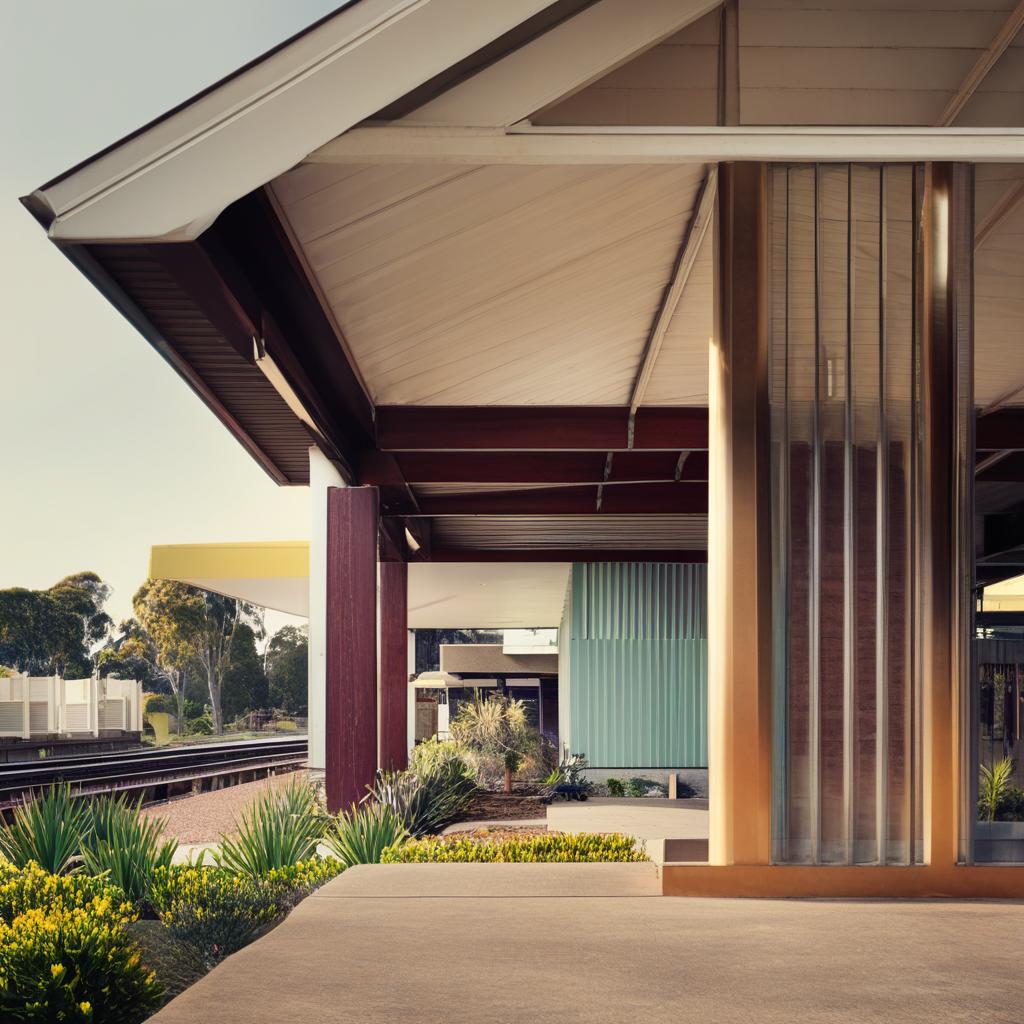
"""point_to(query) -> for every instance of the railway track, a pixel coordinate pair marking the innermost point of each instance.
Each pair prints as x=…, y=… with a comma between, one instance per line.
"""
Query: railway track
x=157, y=773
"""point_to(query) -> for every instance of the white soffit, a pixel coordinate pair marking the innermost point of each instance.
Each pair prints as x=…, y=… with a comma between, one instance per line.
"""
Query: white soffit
x=498, y=285
x=489, y=595
x=999, y=293
x=172, y=179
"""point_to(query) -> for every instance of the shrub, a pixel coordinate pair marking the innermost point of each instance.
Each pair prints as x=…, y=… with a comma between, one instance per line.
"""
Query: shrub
x=23, y=889
x=215, y=912
x=292, y=884
x=573, y=847
x=361, y=835
x=47, y=829
x=126, y=845
x=992, y=786
x=279, y=829
x=435, y=753
x=425, y=801
x=74, y=963
x=616, y=787
x=1011, y=806
x=496, y=731
x=639, y=786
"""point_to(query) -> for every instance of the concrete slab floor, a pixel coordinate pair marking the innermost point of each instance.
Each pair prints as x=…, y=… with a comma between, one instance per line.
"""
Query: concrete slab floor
x=367, y=949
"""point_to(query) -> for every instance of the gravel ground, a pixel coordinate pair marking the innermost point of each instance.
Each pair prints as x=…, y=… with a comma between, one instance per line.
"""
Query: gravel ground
x=206, y=817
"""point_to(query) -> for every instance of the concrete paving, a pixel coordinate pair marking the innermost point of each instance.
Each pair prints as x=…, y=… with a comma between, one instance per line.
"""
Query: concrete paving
x=672, y=830
x=492, y=944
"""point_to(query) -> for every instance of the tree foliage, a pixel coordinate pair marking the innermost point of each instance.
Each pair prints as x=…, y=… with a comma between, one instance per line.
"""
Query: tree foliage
x=245, y=682
x=47, y=632
x=131, y=654
x=287, y=659
x=193, y=627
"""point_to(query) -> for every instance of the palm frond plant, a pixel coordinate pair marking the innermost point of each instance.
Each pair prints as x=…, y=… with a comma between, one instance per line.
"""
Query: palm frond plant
x=48, y=828
x=279, y=829
x=427, y=800
x=993, y=784
x=125, y=845
x=362, y=834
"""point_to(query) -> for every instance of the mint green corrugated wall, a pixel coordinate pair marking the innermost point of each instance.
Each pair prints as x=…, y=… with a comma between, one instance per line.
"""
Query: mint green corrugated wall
x=639, y=664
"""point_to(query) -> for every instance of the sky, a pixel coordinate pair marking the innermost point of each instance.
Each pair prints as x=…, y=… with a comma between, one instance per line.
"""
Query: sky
x=104, y=450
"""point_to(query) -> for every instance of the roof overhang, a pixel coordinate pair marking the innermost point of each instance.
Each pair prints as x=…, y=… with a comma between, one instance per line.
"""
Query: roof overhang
x=273, y=574
x=170, y=180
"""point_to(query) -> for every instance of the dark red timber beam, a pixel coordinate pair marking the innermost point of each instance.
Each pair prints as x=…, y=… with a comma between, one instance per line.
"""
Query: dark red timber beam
x=351, y=718
x=623, y=499
x=453, y=554
x=399, y=469
x=394, y=664
x=539, y=428
x=1002, y=430
x=256, y=265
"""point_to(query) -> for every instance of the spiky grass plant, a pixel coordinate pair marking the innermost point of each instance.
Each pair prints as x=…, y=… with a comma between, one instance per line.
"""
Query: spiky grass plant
x=48, y=828
x=279, y=829
x=428, y=800
x=361, y=835
x=126, y=845
x=993, y=784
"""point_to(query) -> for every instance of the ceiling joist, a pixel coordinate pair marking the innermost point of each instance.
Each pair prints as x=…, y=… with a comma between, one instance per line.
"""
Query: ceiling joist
x=534, y=145
x=693, y=238
x=984, y=64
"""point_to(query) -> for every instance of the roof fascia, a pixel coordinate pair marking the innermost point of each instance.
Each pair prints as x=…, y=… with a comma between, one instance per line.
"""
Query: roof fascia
x=170, y=181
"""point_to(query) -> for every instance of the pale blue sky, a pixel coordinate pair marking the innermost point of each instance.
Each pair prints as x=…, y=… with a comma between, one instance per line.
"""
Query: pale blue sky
x=103, y=449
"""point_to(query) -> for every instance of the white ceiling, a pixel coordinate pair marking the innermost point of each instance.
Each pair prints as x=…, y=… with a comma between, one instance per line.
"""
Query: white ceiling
x=489, y=595
x=503, y=285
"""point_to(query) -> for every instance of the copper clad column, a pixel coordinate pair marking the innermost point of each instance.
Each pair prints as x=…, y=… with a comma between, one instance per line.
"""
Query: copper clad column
x=394, y=665
x=739, y=529
x=351, y=731
x=947, y=242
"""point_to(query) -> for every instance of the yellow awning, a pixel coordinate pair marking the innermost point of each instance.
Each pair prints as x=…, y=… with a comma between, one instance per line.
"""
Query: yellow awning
x=274, y=574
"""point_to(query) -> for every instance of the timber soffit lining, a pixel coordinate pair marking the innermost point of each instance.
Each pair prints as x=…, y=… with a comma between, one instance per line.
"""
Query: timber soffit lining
x=248, y=404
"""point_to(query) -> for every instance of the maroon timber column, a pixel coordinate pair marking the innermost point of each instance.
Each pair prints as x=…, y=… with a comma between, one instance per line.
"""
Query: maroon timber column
x=394, y=665
x=351, y=733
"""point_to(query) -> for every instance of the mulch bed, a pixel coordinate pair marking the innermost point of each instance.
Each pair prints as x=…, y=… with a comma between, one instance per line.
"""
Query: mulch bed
x=499, y=807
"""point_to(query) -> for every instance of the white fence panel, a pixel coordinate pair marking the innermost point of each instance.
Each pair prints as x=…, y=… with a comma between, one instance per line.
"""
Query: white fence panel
x=37, y=706
x=15, y=706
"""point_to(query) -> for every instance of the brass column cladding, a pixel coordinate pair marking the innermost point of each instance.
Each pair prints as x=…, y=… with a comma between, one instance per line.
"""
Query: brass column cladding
x=739, y=529
x=945, y=321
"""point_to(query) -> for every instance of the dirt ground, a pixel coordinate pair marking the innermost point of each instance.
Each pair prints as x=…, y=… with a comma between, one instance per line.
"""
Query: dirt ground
x=205, y=817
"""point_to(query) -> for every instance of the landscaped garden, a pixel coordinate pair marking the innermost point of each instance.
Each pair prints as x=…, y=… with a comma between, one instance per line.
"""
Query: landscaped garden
x=98, y=922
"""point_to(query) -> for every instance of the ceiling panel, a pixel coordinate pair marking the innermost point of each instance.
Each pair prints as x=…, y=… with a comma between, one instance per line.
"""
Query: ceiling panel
x=493, y=595
x=635, y=532
x=497, y=285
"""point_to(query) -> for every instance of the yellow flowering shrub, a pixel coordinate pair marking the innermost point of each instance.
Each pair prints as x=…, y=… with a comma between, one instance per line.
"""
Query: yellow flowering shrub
x=74, y=963
x=575, y=847
x=25, y=888
x=216, y=911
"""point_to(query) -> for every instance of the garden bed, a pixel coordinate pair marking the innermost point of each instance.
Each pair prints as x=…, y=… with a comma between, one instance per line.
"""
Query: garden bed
x=501, y=807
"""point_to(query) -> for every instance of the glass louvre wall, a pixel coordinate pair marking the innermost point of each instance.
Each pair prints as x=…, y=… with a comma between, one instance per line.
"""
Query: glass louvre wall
x=843, y=244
